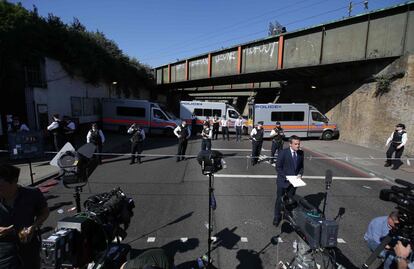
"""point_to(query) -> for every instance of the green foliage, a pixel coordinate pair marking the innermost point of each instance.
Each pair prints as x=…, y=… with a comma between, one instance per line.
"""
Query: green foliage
x=24, y=35
x=383, y=86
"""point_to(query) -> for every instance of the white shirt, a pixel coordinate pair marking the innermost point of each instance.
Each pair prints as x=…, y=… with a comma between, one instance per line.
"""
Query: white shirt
x=178, y=129
x=71, y=126
x=238, y=122
x=403, y=139
x=209, y=136
x=53, y=126
x=23, y=127
x=131, y=130
x=224, y=123
x=88, y=136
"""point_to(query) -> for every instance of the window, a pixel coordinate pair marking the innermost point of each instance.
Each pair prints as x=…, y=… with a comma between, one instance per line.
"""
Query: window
x=288, y=116
x=207, y=112
x=35, y=73
x=130, y=111
x=316, y=116
x=76, y=104
x=233, y=114
x=159, y=115
x=217, y=112
x=198, y=112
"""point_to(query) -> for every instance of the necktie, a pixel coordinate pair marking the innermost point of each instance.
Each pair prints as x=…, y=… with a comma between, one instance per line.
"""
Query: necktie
x=295, y=159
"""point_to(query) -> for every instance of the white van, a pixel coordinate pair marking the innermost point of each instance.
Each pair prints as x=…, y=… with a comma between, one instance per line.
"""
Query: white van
x=120, y=114
x=204, y=110
x=302, y=120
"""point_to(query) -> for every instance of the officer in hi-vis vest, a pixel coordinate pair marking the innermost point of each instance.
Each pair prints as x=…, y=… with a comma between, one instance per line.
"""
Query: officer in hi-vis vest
x=137, y=141
x=183, y=133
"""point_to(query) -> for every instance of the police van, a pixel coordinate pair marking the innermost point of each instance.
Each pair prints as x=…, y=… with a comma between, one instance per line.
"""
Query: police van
x=120, y=114
x=302, y=120
x=206, y=111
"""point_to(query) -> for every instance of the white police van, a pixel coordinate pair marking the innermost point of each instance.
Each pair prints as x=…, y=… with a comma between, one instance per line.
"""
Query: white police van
x=206, y=111
x=302, y=120
x=120, y=114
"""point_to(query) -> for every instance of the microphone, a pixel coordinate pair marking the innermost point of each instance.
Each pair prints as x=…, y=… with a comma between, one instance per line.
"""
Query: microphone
x=328, y=179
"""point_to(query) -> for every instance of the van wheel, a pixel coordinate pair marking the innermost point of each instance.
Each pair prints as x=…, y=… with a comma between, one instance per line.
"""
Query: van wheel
x=327, y=135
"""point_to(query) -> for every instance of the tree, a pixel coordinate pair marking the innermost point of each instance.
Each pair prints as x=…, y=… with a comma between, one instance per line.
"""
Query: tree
x=275, y=28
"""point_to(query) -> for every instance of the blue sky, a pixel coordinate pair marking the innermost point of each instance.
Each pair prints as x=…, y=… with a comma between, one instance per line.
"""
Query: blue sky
x=157, y=32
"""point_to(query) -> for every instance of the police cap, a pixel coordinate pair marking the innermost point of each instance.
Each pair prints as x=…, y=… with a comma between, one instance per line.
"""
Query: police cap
x=400, y=125
x=260, y=123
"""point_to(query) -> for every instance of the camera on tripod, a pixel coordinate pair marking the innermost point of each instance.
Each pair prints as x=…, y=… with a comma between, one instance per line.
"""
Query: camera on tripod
x=309, y=222
x=87, y=237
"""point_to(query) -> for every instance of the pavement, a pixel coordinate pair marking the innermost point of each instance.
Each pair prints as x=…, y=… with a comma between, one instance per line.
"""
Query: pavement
x=172, y=202
x=366, y=159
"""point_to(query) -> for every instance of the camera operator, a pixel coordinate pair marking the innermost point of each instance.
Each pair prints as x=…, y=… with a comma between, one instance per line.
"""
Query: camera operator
x=289, y=162
x=150, y=259
x=404, y=256
x=22, y=212
x=378, y=228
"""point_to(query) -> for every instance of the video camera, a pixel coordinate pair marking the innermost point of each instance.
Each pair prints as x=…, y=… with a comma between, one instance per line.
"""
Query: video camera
x=87, y=237
x=211, y=161
x=404, y=198
x=309, y=222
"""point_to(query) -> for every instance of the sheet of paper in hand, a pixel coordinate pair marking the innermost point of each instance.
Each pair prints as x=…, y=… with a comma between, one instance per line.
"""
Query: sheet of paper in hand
x=296, y=181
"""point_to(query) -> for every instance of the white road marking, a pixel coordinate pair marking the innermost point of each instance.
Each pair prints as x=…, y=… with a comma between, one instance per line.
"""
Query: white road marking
x=184, y=239
x=151, y=240
x=340, y=241
x=246, y=150
x=244, y=239
x=304, y=177
x=367, y=187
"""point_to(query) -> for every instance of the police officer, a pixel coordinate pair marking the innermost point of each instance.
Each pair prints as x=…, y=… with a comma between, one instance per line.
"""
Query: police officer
x=277, y=135
x=69, y=128
x=17, y=126
x=56, y=129
x=183, y=134
x=137, y=141
x=225, y=128
x=96, y=137
x=257, y=141
x=206, y=135
x=239, y=125
x=397, y=141
x=216, y=126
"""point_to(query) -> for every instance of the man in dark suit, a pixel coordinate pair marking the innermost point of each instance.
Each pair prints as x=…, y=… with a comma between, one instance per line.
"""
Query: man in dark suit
x=289, y=163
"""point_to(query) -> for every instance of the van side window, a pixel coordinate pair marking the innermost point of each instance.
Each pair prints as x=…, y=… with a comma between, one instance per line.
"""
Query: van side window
x=198, y=112
x=288, y=116
x=159, y=115
x=217, y=112
x=130, y=111
x=207, y=112
x=316, y=116
x=233, y=114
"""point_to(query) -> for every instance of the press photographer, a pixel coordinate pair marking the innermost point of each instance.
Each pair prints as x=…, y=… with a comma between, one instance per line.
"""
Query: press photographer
x=22, y=212
x=395, y=245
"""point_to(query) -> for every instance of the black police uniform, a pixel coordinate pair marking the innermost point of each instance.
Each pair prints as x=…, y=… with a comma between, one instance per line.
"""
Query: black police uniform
x=137, y=143
x=97, y=141
x=182, y=142
x=395, y=142
x=257, y=145
x=206, y=141
x=277, y=142
x=216, y=126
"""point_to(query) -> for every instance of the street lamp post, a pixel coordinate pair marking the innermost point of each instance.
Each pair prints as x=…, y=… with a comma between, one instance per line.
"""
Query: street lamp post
x=113, y=84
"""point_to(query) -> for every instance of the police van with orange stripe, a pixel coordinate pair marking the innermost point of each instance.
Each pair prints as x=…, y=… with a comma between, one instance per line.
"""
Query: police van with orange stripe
x=302, y=120
x=120, y=114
